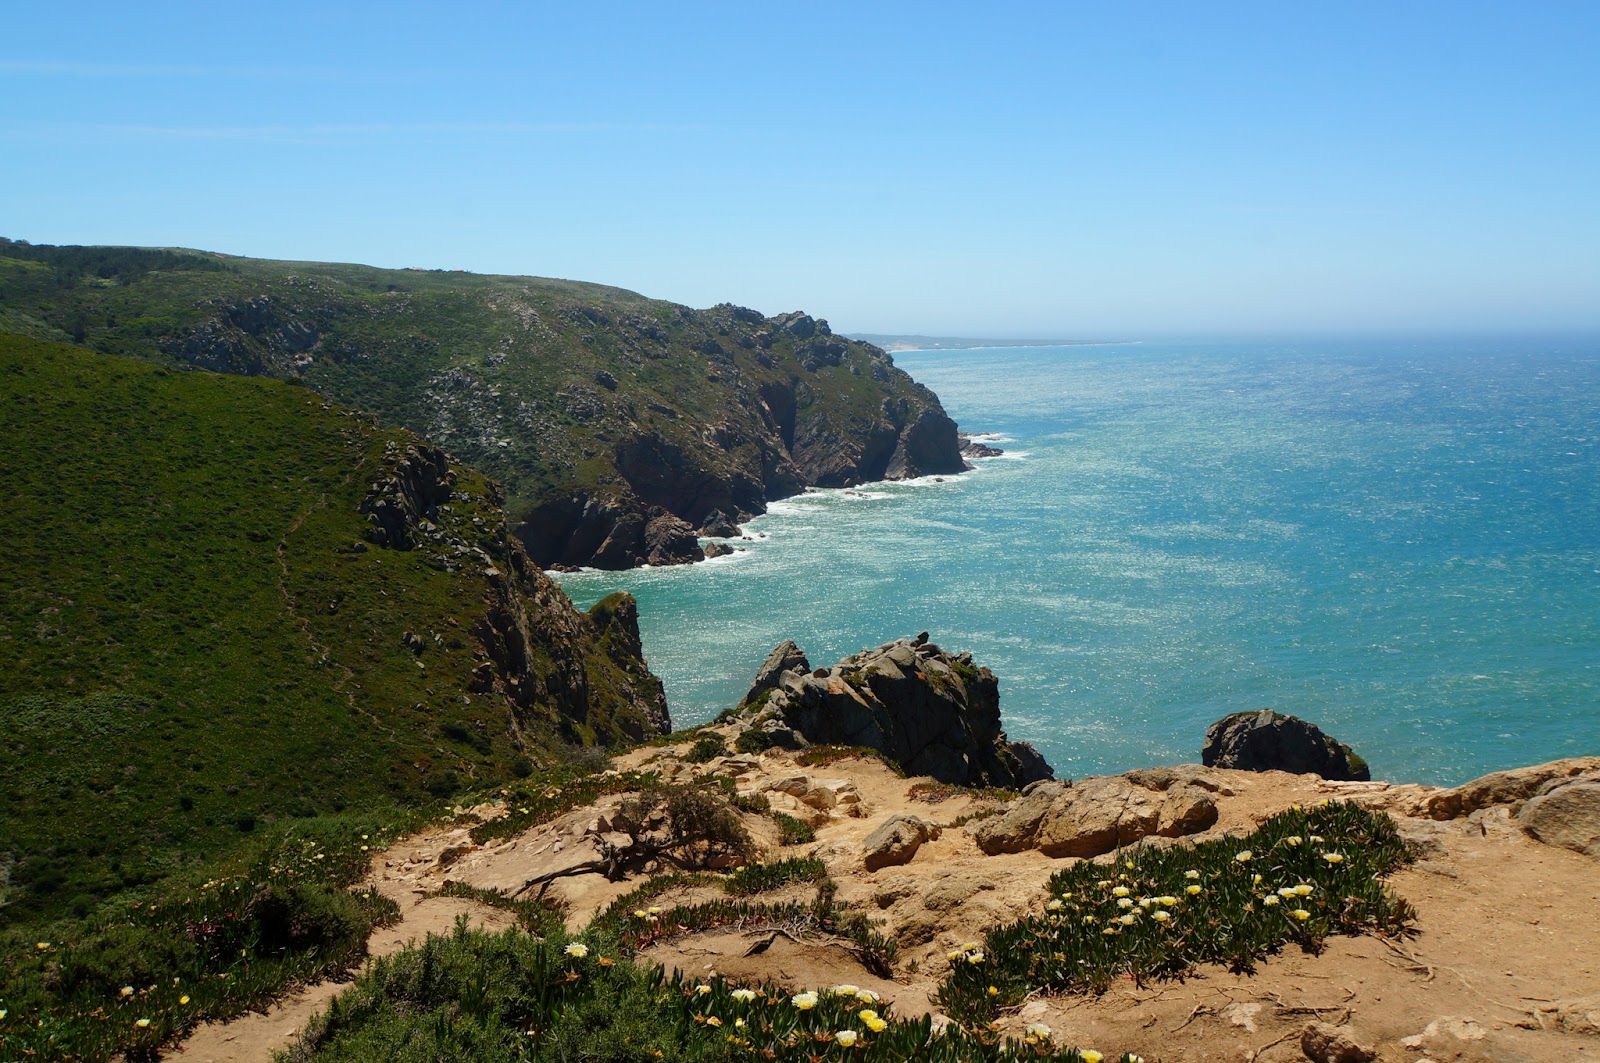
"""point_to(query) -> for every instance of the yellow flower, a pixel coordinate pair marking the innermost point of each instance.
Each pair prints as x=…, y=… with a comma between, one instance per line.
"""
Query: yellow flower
x=994, y=991
x=701, y=990
x=1039, y=1030
x=1244, y=856
x=1294, y=839
x=1256, y=881
x=655, y=911
x=866, y=1014
x=1287, y=891
x=712, y=1020
x=1270, y=899
x=867, y=996
x=845, y=990
x=804, y=1001
x=1160, y=916
x=1090, y=1055
x=1304, y=889
x=845, y=1037
x=1054, y=905
x=1168, y=901
x=43, y=945
x=953, y=955
x=1125, y=902
x=1316, y=839
x=975, y=957
x=638, y=913
x=1121, y=891
x=577, y=950
x=127, y=990
x=1127, y=920
x=1191, y=873
x=1191, y=890
x=183, y=1000
x=876, y=1024
x=1301, y=914
x=142, y=1023
x=1333, y=858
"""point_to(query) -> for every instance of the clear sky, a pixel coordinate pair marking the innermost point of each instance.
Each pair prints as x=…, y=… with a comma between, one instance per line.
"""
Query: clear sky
x=1006, y=169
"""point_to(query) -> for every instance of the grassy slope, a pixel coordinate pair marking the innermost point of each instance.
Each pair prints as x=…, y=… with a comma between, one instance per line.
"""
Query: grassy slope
x=196, y=639
x=501, y=370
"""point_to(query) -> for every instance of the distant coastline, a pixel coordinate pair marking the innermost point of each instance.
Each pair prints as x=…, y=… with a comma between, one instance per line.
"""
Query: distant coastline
x=894, y=343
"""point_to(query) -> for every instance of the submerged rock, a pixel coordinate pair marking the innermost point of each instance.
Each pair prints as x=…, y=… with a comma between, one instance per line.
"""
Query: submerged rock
x=1271, y=741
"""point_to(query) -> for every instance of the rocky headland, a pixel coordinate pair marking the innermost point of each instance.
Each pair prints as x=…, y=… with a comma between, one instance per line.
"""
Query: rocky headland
x=1497, y=963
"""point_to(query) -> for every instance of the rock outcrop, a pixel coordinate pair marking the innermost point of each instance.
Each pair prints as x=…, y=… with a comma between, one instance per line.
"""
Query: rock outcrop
x=931, y=712
x=1566, y=813
x=1093, y=816
x=1271, y=741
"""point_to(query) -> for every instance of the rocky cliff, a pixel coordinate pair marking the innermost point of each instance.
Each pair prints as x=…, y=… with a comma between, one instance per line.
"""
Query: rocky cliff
x=619, y=425
x=932, y=712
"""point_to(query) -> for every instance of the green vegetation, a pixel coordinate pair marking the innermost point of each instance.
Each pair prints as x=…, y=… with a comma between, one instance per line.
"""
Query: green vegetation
x=1157, y=912
x=155, y=962
x=792, y=831
x=506, y=997
x=706, y=747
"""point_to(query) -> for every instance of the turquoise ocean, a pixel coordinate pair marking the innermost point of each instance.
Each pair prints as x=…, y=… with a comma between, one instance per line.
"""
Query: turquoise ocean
x=1398, y=540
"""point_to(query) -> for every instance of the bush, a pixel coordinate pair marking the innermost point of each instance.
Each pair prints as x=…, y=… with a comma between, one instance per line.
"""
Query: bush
x=792, y=831
x=706, y=747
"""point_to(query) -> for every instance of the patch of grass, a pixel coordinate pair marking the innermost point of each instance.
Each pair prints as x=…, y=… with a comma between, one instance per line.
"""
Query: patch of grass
x=822, y=755
x=1157, y=912
x=792, y=831
x=544, y=917
x=146, y=967
x=759, y=878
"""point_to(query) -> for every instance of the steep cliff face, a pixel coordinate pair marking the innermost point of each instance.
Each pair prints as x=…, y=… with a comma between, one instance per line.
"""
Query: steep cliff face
x=619, y=425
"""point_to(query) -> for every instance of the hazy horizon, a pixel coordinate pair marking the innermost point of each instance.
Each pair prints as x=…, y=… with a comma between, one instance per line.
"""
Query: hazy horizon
x=1036, y=171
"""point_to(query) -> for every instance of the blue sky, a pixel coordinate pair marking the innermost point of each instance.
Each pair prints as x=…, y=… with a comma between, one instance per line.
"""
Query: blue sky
x=1053, y=169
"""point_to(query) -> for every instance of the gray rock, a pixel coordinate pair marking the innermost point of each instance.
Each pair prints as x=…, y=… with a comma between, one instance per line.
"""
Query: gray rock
x=896, y=840
x=1270, y=741
x=1567, y=816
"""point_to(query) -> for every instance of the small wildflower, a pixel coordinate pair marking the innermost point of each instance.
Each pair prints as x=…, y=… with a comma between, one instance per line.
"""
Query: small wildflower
x=43, y=945
x=127, y=990
x=1333, y=858
x=1301, y=914
x=712, y=1020
x=1127, y=920
x=1121, y=891
x=845, y=990
x=638, y=913
x=1316, y=839
x=1160, y=916
x=877, y=1024
x=867, y=996
x=975, y=957
x=607, y=961
x=994, y=991
x=1125, y=902
x=743, y=996
x=846, y=1037
x=953, y=955
x=804, y=1001
x=1287, y=891
x=1191, y=890
x=141, y=1023
x=577, y=950
x=701, y=990
x=1270, y=899
x=1304, y=889
x=1054, y=905
x=1244, y=856
x=1256, y=881
x=183, y=999
x=1294, y=839
x=1039, y=1030
x=1168, y=901
x=655, y=911
x=1090, y=1055
x=1191, y=873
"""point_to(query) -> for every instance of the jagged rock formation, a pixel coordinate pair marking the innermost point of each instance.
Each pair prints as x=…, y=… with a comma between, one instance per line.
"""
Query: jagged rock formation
x=1093, y=816
x=1271, y=741
x=583, y=675
x=931, y=712
x=617, y=424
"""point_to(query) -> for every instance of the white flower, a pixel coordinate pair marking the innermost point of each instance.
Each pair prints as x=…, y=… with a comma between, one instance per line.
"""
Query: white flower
x=1191, y=873
x=743, y=996
x=701, y=990
x=804, y=1001
x=975, y=957
x=1121, y=891
x=1127, y=920
x=1304, y=889
x=867, y=996
x=1191, y=890
x=1333, y=858
x=1039, y=1030
x=1244, y=856
x=1160, y=916
x=845, y=1037
x=1054, y=905
x=1294, y=839
x=1270, y=899
x=845, y=990
x=577, y=950
x=1125, y=902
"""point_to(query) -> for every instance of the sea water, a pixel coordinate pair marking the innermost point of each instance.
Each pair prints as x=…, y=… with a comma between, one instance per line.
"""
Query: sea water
x=1397, y=540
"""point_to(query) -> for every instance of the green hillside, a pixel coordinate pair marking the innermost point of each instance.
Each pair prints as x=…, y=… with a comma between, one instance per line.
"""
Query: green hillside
x=618, y=424
x=229, y=603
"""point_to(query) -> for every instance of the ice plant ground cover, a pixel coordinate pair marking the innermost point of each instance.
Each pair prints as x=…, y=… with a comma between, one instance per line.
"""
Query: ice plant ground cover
x=507, y=996
x=1154, y=912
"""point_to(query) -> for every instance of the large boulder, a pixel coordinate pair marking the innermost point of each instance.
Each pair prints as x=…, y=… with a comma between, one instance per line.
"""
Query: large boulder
x=896, y=841
x=1271, y=741
x=1094, y=816
x=1567, y=814
x=931, y=712
x=1511, y=787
